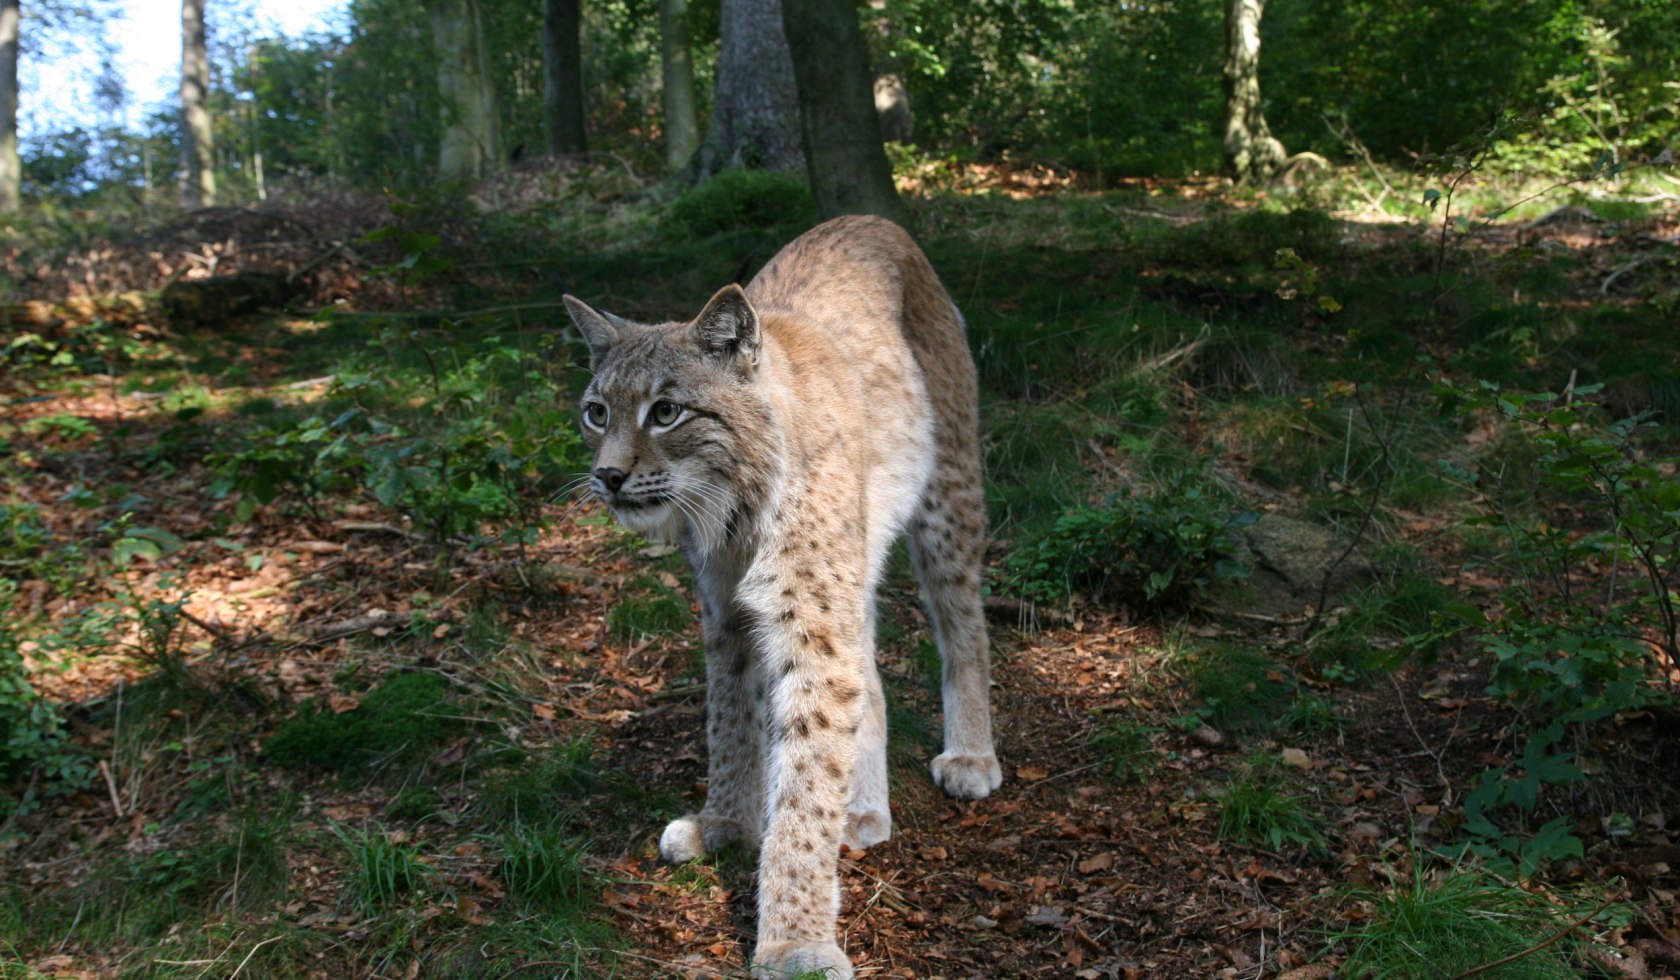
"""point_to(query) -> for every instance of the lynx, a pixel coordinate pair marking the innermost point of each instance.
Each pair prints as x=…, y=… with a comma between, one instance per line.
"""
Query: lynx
x=784, y=439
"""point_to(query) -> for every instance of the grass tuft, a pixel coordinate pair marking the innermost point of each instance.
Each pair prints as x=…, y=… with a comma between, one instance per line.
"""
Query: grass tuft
x=1257, y=809
x=1462, y=920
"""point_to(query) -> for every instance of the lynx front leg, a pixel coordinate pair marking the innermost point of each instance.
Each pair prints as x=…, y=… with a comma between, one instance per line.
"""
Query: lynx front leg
x=816, y=709
x=734, y=740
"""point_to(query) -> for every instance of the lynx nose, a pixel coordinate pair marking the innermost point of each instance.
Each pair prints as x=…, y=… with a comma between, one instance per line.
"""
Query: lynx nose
x=611, y=477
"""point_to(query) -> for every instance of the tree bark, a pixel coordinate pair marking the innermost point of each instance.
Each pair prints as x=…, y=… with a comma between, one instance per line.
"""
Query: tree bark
x=563, y=77
x=198, y=170
x=755, y=111
x=11, y=169
x=845, y=162
x=1252, y=155
x=677, y=103
x=471, y=146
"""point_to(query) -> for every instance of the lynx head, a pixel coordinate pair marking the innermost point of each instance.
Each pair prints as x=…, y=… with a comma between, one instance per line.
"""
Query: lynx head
x=675, y=417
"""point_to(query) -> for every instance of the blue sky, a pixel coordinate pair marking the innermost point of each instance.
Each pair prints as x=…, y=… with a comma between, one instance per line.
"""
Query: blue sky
x=57, y=83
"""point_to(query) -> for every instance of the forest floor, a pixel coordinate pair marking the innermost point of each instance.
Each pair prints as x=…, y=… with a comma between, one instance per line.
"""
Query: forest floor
x=350, y=686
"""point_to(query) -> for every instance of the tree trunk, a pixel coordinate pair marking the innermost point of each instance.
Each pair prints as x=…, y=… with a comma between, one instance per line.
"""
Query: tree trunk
x=563, y=77
x=755, y=111
x=11, y=170
x=198, y=170
x=845, y=161
x=1251, y=154
x=677, y=103
x=471, y=146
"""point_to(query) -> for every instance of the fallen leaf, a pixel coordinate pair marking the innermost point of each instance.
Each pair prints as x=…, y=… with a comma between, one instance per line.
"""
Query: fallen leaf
x=1032, y=774
x=1102, y=862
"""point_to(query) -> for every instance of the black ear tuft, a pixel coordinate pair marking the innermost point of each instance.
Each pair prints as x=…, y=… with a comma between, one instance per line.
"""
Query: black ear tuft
x=728, y=325
x=600, y=330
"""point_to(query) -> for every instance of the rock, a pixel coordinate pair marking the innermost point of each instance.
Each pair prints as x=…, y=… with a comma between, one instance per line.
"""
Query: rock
x=1287, y=560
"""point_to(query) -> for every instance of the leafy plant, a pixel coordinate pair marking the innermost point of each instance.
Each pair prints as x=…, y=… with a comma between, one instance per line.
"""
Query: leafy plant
x=1588, y=618
x=481, y=444
x=1160, y=547
x=34, y=746
x=306, y=459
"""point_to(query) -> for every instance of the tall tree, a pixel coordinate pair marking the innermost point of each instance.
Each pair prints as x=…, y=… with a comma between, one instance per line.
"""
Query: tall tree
x=11, y=171
x=1251, y=152
x=677, y=104
x=563, y=76
x=471, y=145
x=198, y=172
x=844, y=159
x=755, y=111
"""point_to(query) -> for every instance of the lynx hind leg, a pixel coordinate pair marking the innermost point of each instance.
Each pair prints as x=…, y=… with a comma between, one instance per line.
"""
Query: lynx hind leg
x=947, y=552
x=868, y=815
x=734, y=743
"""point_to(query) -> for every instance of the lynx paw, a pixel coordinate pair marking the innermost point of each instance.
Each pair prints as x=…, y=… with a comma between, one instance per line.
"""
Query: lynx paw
x=784, y=961
x=696, y=835
x=967, y=777
x=866, y=828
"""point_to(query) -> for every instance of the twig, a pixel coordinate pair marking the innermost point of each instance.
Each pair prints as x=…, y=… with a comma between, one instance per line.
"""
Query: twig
x=252, y=953
x=1537, y=947
x=1440, y=771
x=111, y=786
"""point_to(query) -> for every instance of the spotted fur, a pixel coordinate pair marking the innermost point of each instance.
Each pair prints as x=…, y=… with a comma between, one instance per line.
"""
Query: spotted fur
x=784, y=438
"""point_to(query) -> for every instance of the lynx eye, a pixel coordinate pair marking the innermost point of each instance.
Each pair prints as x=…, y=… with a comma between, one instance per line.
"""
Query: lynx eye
x=664, y=413
x=595, y=414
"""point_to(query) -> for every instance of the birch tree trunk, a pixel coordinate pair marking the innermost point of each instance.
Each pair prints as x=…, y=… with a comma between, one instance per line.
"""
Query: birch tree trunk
x=1251, y=153
x=11, y=170
x=471, y=145
x=198, y=170
x=755, y=111
x=844, y=159
x=563, y=77
x=677, y=103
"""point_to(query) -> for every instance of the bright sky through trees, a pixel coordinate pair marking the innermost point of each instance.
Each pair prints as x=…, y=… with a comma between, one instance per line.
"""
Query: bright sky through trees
x=58, y=75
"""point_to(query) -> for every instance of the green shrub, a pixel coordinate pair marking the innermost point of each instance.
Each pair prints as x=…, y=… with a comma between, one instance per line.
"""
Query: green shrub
x=403, y=718
x=1159, y=548
x=35, y=750
x=737, y=200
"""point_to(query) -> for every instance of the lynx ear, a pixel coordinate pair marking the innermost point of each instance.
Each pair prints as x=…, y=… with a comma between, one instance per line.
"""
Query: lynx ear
x=600, y=330
x=728, y=325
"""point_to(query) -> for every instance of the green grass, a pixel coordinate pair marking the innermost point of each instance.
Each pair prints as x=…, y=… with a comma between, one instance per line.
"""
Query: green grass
x=649, y=608
x=398, y=721
x=546, y=790
x=383, y=872
x=543, y=869
x=1458, y=920
x=1258, y=809
x=1239, y=688
x=1125, y=750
